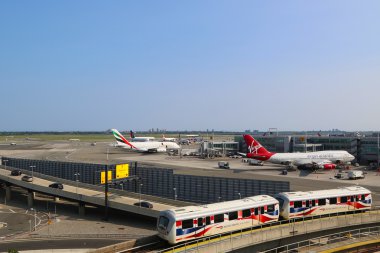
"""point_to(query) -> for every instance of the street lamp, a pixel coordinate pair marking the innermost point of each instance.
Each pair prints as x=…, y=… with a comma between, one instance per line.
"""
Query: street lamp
x=239, y=195
x=140, y=194
x=175, y=193
x=35, y=218
x=5, y=163
x=77, y=180
x=32, y=166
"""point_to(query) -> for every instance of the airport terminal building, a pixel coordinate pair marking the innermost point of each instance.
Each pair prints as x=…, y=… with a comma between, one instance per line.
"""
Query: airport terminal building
x=365, y=149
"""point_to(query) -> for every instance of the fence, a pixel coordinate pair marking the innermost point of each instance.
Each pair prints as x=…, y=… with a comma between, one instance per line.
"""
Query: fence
x=156, y=181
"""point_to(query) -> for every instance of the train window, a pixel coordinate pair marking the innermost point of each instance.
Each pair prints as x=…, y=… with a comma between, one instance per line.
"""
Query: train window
x=200, y=222
x=270, y=208
x=333, y=201
x=313, y=202
x=307, y=203
x=163, y=222
x=256, y=211
x=246, y=213
x=297, y=204
x=363, y=197
x=219, y=218
x=321, y=202
x=352, y=199
x=262, y=210
x=187, y=224
x=343, y=199
x=208, y=220
x=233, y=215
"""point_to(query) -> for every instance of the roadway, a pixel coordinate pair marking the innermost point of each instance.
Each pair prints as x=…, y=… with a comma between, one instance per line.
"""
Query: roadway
x=84, y=195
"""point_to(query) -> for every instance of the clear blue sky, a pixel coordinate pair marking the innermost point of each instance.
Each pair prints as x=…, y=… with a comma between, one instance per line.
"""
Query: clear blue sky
x=189, y=65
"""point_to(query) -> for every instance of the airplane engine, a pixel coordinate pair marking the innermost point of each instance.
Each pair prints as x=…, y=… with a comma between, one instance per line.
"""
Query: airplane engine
x=329, y=166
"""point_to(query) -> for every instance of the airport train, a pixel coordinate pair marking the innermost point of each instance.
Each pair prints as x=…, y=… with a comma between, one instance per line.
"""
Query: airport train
x=187, y=223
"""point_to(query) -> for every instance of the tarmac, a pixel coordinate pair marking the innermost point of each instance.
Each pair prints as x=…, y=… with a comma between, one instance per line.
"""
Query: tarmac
x=67, y=224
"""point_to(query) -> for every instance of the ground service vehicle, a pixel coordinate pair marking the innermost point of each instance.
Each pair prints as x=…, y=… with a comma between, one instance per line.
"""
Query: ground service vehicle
x=255, y=162
x=182, y=224
x=355, y=174
x=187, y=223
x=223, y=165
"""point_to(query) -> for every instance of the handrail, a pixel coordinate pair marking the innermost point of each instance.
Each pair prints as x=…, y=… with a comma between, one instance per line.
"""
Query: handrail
x=335, y=238
x=230, y=235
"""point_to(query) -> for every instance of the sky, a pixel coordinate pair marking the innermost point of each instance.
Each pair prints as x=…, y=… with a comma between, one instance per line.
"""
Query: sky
x=189, y=65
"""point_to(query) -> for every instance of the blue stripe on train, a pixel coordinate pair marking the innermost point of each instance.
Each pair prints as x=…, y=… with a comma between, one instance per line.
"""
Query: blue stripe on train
x=180, y=231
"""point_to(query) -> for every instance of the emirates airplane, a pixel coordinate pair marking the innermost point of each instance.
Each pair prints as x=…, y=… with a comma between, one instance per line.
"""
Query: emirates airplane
x=144, y=146
x=317, y=160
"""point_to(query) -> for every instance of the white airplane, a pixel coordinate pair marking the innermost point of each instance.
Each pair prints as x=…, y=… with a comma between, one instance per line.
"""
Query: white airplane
x=146, y=146
x=318, y=160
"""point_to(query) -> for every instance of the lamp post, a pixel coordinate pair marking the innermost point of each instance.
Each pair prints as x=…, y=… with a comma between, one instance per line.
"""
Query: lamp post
x=77, y=180
x=5, y=163
x=239, y=195
x=35, y=218
x=175, y=193
x=140, y=194
x=32, y=166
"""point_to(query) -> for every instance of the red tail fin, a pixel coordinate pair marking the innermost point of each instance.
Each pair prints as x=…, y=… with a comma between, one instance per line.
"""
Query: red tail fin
x=256, y=150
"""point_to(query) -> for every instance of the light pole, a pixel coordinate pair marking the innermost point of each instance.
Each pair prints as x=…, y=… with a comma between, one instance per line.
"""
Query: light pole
x=32, y=166
x=140, y=194
x=239, y=195
x=175, y=193
x=35, y=218
x=5, y=163
x=77, y=180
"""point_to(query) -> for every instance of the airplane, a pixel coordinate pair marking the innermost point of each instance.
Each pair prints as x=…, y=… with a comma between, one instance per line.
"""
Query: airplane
x=147, y=146
x=317, y=160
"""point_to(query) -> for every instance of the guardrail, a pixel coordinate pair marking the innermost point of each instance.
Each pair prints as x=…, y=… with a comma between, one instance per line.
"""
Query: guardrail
x=274, y=231
x=325, y=242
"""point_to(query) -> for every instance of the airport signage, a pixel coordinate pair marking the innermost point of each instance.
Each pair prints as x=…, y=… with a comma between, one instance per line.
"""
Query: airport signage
x=103, y=177
x=122, y=170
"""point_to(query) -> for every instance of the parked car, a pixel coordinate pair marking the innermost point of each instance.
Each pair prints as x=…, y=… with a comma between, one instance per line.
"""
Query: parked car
x=56, y=186
x=144, y=204
x=27, y=178
x=16, y=172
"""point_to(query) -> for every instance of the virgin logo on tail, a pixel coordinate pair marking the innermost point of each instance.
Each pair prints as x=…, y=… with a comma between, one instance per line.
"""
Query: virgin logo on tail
x=254, y=149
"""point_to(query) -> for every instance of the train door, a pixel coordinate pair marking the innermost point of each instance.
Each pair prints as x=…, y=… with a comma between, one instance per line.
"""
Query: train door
x=200, y=228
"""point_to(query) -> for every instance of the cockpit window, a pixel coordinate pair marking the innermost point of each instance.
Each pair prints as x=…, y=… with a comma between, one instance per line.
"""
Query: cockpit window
x=163, y=222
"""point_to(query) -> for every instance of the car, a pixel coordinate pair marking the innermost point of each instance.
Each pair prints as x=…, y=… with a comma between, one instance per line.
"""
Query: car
x=16, y=172
x=144, y=204
x=56, y=186
x=27, y=178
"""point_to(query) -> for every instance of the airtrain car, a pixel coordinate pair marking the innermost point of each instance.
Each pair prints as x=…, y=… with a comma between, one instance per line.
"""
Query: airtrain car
x=187, y=223
x=300, y=204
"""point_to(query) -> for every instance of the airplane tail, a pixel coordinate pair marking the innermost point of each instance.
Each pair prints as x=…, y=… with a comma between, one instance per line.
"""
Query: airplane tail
x=255, y=148
x=120, y=138
x=132, y=134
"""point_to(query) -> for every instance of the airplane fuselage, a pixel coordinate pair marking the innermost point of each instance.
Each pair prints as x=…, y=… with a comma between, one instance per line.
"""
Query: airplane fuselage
x=310, y=158
x=150, y=145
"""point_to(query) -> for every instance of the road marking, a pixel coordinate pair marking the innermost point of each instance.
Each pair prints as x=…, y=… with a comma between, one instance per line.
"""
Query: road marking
x=12, y=211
